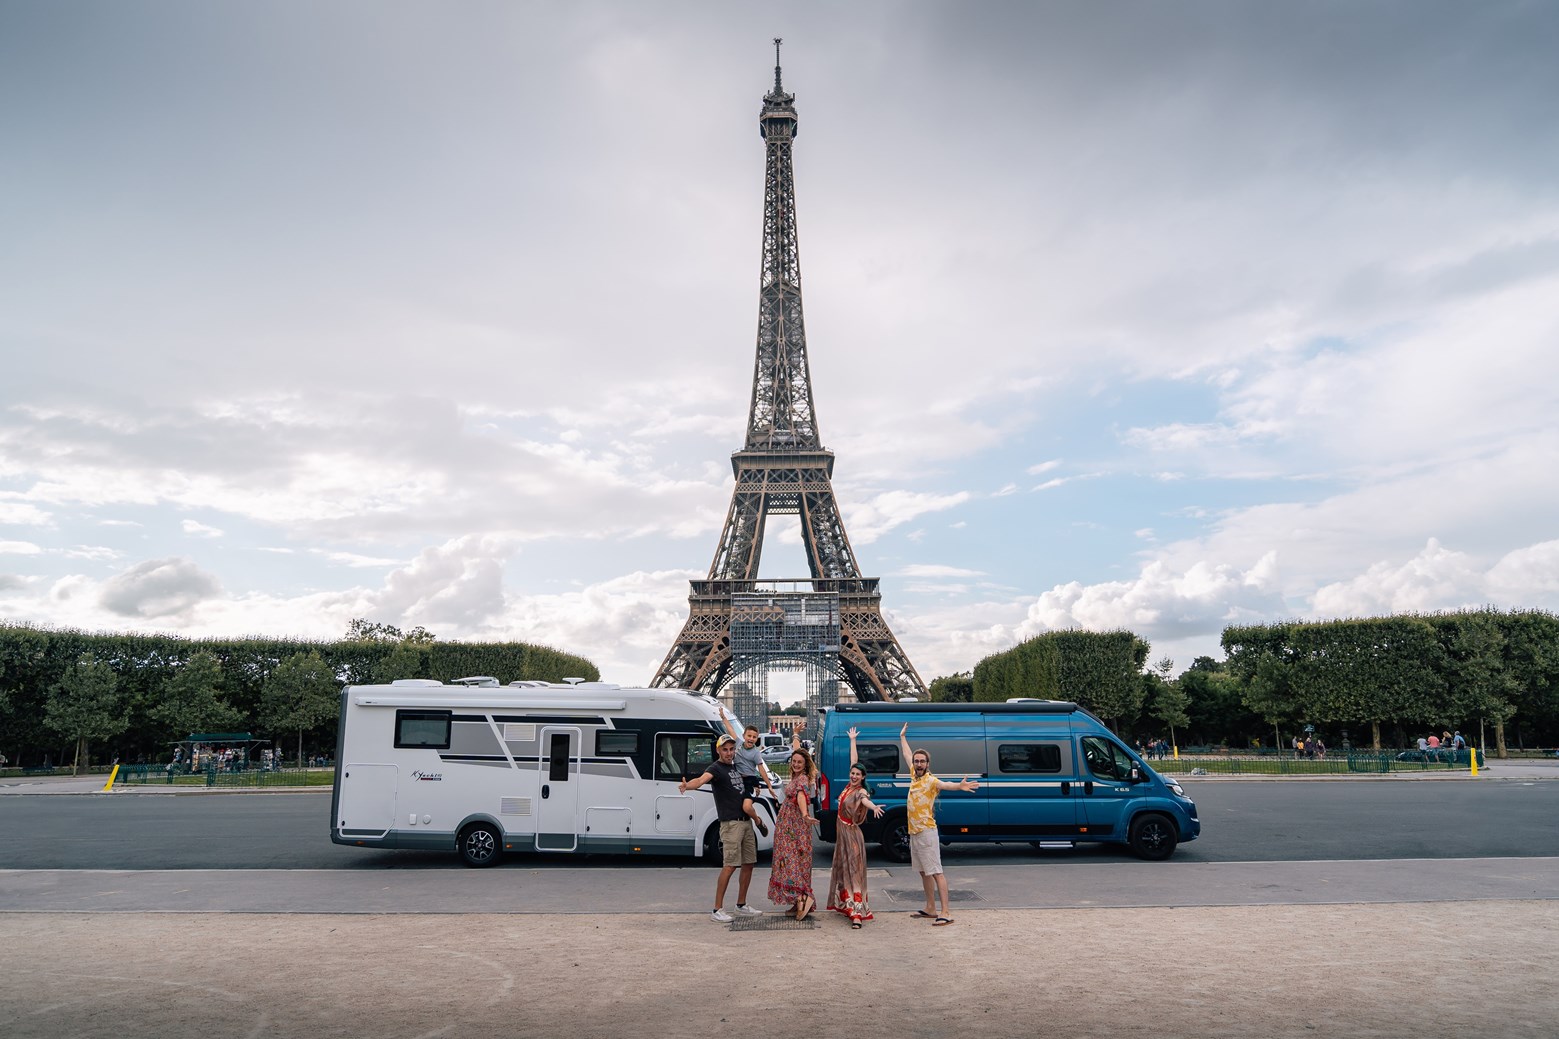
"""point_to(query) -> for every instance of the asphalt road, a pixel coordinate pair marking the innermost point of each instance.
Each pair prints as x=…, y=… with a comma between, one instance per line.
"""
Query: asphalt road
x=1242, y=822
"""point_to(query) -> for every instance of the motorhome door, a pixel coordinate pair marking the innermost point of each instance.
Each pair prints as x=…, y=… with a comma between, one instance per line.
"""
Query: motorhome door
x=557, y=822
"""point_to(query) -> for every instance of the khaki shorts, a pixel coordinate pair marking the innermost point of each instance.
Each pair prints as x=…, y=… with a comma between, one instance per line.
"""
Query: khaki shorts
x=925, y=852
x=737, y=843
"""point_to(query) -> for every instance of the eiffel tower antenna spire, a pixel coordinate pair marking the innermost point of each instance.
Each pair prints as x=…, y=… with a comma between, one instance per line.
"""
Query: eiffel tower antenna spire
x=832, y=620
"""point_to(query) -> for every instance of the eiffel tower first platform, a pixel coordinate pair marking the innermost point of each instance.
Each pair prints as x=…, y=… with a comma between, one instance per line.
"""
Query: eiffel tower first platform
x=830, y=624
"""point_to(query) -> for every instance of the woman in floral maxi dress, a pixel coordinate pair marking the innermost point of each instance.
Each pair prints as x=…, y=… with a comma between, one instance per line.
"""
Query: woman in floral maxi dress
x=790, y=877
x=847, y=882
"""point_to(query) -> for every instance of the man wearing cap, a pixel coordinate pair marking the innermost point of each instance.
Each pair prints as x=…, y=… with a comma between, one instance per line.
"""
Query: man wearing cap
x=739, y=846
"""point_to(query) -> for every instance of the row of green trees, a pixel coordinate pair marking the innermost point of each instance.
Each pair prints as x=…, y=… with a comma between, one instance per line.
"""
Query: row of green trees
x=1451, y=670
x=65, y=690
x=1407, y=673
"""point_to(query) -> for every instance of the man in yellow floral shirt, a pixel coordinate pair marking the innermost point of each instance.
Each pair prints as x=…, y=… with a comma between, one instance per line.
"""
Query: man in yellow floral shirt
x=925, y=844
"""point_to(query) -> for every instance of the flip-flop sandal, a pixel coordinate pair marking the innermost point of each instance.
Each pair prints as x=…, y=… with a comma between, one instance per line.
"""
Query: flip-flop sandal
x=921, y=914
x=942, y=921
x=855, y=925
x=804, y=907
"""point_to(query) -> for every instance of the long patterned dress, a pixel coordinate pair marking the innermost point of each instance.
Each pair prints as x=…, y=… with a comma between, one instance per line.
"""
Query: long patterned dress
x=790, y=875
x=847, y=882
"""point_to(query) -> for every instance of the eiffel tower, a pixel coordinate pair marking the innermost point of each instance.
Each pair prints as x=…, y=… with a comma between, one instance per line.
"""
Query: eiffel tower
x=829, y=624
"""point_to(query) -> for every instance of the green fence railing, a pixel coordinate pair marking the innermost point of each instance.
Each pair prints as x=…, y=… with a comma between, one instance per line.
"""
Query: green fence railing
x=1335, y=763
x=166, y=775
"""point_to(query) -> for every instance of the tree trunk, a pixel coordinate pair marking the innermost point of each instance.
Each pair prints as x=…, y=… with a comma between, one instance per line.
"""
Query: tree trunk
x=1375, y=729
x=300, y=748
x=81, y=753
x=1499, y=740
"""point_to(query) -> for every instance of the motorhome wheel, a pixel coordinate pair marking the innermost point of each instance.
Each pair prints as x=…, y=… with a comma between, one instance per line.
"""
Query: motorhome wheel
x=480, y=845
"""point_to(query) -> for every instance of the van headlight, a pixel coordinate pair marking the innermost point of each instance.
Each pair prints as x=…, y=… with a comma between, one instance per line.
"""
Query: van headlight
x=1174, y=786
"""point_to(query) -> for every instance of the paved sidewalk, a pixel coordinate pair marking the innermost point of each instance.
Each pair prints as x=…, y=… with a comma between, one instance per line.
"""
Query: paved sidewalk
x=1444, y=971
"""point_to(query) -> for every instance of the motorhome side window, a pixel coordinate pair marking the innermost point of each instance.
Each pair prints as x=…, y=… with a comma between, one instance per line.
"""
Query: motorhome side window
x=616, y=743
x=1028, y=757
x=428, y=730
x=679, y=757
x=1105, y=759
x=879, y=757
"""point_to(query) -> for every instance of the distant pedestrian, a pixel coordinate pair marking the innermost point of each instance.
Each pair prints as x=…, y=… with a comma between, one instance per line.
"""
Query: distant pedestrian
x=847, y=879
x=790, y=873
x=925, y=846
x=739, y=848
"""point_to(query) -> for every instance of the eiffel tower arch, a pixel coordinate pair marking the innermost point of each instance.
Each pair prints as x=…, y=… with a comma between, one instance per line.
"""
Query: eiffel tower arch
x=739, y=626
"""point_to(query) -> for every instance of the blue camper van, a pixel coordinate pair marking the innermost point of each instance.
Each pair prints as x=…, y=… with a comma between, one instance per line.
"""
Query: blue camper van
x=1049, y=771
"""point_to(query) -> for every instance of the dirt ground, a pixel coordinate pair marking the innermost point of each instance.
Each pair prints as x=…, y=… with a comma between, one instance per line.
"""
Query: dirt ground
x=1421, y=970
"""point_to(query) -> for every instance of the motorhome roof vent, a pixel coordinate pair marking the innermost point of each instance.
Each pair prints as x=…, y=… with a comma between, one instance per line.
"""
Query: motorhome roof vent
x=572, y=681
x=417, y=681
x=481, y=680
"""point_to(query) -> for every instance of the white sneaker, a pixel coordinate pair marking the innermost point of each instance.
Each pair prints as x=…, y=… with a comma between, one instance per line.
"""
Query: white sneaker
x=749, y=911
x=720, y=916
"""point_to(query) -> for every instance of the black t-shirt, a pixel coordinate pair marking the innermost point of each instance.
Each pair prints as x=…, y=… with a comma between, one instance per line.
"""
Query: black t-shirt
x=728, y=790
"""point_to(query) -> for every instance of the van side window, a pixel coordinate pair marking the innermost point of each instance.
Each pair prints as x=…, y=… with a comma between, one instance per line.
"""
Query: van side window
x=1105, y=759
x=682, y=757
x=425, y=730
x=619, y=743
x=1028, y=757
x=879, y=757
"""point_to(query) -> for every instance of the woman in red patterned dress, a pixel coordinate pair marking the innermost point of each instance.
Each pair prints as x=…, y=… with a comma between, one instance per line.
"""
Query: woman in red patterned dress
x=847, y=882
x=790, y=875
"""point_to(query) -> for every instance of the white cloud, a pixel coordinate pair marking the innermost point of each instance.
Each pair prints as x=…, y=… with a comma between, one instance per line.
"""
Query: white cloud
x=19, y=548
x=870, y=520
x=937, y=570
x=1161, y=602
x=199, y=530
x=22, y=514
x=158, y=588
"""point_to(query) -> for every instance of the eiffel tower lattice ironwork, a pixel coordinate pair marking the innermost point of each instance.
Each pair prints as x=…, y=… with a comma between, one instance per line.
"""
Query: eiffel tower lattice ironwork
x=736, y=622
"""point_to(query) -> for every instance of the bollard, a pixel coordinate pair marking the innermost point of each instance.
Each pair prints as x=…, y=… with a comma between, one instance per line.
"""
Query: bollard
x=1472, y=755
x=110, y=784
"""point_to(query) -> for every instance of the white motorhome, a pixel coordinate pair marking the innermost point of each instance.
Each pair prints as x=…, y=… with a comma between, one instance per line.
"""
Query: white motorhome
x=483, y=768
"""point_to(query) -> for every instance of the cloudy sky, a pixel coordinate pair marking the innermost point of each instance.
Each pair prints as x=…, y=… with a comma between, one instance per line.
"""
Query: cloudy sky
x=1143, y=315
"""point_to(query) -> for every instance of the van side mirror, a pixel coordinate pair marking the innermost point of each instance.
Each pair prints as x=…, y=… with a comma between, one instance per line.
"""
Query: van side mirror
x=1136, y=774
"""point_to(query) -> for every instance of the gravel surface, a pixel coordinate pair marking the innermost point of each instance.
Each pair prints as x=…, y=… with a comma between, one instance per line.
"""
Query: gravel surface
x=1408, y=969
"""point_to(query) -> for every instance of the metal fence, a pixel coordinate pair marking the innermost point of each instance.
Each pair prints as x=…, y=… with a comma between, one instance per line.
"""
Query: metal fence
x=1341, y=763
x=180, y=775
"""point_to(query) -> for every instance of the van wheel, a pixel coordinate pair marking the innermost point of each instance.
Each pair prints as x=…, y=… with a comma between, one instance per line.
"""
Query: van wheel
x=711, y=855
x=481, y=845
x=895, y=837
x=1153, y=837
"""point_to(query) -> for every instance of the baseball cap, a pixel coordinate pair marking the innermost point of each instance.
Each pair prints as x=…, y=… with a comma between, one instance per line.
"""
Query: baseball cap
x=723, y=740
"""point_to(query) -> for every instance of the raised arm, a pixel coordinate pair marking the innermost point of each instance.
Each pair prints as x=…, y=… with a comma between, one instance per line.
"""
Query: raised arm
x=854, y=754
x=909, y=755
x=726, y=720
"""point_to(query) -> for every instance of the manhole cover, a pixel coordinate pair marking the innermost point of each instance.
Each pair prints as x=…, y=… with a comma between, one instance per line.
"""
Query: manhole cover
x=957, y=894
x=778, y=922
